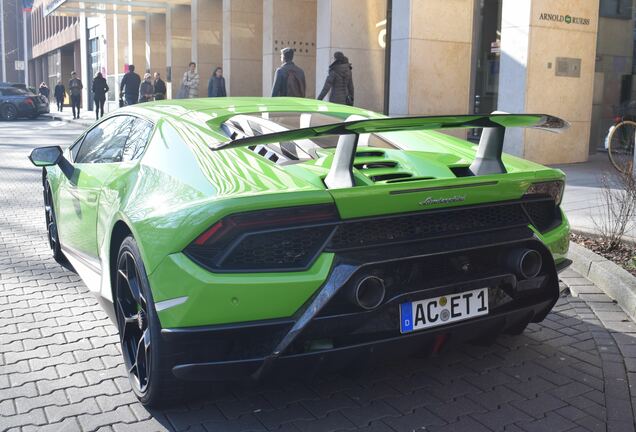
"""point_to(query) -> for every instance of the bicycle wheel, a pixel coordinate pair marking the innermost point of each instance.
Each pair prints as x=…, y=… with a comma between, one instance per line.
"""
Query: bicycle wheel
x=621, y=145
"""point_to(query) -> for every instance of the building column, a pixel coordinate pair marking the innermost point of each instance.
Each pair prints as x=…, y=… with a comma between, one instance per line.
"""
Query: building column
x=343, y=25
x=157, y=42
x=181, y=43
x=139, y=45
x=431, y=48
x=168, y=73
x=289, y=23
x=547, y=65
x=243, y=47
x=209, y=46
x=83, y=60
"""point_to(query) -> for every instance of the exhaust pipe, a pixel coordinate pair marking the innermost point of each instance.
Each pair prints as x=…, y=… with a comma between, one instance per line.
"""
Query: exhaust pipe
x=368, y=292
x=526, y=263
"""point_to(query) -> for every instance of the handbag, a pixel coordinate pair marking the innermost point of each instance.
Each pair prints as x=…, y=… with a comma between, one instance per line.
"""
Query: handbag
x=183, y=92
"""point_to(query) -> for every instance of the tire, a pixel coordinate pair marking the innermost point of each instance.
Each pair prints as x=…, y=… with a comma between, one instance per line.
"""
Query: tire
x=150, y=371
x=620, y=148
x=8, y=112
x=51, y=224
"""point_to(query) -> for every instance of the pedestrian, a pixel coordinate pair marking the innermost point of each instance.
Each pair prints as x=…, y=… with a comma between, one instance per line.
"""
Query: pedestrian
x=216, y=85
x=289, y=79
x=100, y=88
x=190, y=84
x=160, y=87
x=75, y=87
x=129, y=87
x=146, y=90
x=339, y=82
x=59, y=93
x=44, y=91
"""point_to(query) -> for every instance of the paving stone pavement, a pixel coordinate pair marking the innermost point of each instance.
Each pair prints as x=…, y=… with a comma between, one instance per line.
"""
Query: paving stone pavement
x=61, y=370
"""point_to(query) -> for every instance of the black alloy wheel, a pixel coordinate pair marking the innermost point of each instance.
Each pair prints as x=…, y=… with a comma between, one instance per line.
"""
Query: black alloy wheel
x=51, y=224
x=132, y=319
x=147, y=357
x=8, y=112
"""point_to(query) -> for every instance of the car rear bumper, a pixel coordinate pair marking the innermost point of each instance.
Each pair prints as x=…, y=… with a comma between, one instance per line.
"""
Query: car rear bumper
x=395, y=347
x=331, y=329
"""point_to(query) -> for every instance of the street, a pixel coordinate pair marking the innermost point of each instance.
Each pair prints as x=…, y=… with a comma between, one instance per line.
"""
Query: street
x=61, y=366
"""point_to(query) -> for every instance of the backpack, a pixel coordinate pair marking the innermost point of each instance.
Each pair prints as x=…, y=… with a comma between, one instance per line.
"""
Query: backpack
x=295, y=87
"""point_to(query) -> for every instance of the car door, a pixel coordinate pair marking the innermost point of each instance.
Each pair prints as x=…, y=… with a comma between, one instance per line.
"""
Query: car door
x=95, y=159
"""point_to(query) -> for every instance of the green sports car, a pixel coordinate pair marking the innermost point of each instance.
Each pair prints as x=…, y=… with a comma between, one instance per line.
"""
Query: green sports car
x=239, y=237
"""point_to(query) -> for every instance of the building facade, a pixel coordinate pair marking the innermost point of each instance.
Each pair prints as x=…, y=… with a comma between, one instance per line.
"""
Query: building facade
x=15, y=40
x=573, y=59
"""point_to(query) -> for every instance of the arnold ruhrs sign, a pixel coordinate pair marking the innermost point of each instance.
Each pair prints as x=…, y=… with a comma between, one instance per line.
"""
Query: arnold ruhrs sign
x=567, y=19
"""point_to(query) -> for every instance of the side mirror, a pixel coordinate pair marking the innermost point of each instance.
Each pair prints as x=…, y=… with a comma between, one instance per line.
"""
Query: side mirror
x=45, y=156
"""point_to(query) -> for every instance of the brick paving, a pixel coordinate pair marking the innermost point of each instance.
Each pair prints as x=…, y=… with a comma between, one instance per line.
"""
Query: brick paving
x=61, y=370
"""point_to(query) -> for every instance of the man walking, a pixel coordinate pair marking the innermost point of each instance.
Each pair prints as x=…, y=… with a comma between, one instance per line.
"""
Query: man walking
x=129, y=86
x=289, y=79
x=59, y=93
x=160, y=87
x=75, y=92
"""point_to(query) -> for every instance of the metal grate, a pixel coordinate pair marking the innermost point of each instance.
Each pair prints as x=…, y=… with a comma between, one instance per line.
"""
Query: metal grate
x=277, y=250
x=421, y=226
x=543, y=214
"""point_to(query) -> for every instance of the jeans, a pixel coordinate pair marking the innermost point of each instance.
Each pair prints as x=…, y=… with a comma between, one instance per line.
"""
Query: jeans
x=99, y=106
x=131, y=99
x=60, y=103
x=75, y=103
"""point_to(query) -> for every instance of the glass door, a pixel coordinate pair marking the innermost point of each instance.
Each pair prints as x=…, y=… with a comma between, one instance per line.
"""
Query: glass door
x=486, y=67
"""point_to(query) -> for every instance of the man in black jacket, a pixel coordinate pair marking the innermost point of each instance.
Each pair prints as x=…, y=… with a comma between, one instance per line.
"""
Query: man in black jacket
x=289, y=79
x=129, y=86
x=160, y=87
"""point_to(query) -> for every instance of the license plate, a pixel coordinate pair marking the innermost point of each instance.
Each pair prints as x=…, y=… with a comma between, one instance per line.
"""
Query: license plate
x=442, y=310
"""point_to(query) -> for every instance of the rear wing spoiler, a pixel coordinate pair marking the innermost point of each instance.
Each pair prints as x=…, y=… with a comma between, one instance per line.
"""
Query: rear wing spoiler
x=487, y=159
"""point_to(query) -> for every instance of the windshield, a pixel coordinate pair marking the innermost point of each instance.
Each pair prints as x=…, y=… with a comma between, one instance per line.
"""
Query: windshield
x=289, y=152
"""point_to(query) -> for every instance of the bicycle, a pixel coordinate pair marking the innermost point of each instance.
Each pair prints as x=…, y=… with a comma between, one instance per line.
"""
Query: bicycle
x=620, y=144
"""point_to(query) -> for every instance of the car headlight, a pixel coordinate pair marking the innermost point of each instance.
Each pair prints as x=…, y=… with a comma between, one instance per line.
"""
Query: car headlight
x=553, y=189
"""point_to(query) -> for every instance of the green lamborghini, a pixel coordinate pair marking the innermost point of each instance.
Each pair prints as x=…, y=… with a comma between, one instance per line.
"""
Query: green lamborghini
x=234, y=238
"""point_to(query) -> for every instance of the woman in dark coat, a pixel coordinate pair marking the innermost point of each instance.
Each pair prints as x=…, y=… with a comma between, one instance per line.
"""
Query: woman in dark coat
x=44, y=90
x=216, y=85
x=100, y=88
x=59, y=93
x=339, y=82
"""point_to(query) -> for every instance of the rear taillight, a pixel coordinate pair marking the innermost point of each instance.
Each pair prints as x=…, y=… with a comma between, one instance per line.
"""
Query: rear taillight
x=553, y=189
x=29, y=101
x=279, y=239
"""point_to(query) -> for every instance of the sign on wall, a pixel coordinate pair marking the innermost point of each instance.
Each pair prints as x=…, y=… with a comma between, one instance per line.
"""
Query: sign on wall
x=19, y=65
x=567, y=19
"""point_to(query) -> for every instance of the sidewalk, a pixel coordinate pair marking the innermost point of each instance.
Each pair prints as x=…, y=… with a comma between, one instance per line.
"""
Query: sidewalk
x=87, y=118
x=582, y=199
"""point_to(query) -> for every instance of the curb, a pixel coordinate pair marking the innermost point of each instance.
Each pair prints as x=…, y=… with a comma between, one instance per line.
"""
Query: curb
x=616, y=282
x=593, y=234
x=81, y=121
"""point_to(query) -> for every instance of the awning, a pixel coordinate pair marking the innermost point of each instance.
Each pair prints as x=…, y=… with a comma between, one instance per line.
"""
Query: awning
x=102, y=7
